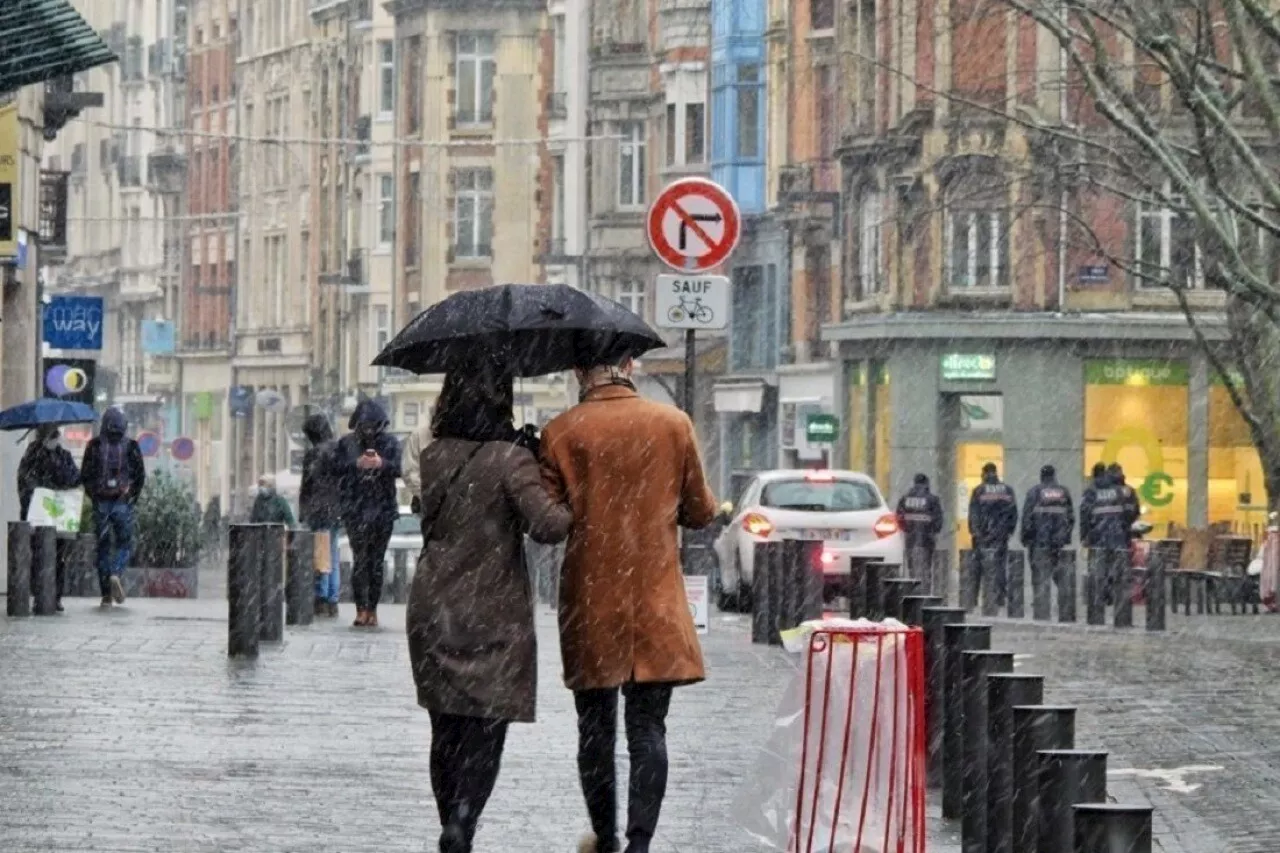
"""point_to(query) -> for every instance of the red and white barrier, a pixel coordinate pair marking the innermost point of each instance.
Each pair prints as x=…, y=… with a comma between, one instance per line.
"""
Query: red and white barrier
x=844, y=769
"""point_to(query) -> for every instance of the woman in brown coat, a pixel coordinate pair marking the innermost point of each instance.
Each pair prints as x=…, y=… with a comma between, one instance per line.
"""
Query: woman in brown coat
x=470, y=622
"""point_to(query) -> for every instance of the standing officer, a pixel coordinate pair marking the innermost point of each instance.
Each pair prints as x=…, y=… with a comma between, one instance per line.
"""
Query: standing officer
x=1048, y=518
x=1128, y=497
x=993, y=518
x=920, y=517
x=1104, y=526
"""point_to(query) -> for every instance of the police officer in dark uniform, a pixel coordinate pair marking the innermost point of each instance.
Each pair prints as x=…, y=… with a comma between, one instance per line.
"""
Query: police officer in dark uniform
x=1129, y=497
x=993, y=518
x=1105, y=509
x=1048, y=519
x=920, y=517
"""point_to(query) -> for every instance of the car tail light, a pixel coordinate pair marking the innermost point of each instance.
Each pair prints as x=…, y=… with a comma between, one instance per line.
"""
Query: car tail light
x=887, y=525
x=828, y=557
x=756, y=524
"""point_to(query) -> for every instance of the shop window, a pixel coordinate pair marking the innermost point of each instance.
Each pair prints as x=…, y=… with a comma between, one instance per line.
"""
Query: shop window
x=1136, y=414
x=1237, y=492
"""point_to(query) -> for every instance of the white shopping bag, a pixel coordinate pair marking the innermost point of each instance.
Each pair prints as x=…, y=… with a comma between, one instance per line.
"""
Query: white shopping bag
x=57, y=509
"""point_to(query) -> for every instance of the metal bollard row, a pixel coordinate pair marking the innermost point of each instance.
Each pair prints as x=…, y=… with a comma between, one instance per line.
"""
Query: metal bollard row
x=255, y=587
x=786, y=589
x=40, y=563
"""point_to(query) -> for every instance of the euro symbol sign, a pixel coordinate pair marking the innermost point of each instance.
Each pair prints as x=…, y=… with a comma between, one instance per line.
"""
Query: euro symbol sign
x=1152, y=489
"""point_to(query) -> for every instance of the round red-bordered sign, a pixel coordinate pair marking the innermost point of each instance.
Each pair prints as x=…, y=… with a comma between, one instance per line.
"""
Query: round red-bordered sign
x=693, y=225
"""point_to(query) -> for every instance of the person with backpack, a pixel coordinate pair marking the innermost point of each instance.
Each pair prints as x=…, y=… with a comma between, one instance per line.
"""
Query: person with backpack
x=113, y=475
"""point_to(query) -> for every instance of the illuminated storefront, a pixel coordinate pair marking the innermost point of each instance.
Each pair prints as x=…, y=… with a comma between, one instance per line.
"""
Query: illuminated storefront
x=868, y=408
x=1237, y=493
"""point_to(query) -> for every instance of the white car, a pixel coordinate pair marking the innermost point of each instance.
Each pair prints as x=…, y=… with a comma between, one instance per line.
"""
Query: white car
x=843, y=509
x=405, y=536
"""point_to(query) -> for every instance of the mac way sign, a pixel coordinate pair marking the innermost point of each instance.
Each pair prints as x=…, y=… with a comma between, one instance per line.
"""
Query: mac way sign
x=694, y=225
x=73, y=322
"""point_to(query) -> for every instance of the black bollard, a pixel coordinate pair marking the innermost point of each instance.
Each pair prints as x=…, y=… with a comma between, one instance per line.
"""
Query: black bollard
x=1067, y=777
x=1004, y=693
x=1122, y=586
x=1154, y=590
x=920, y=567
x=300, y=600
x=990, y=572
x=786, y=586
x=760, y=601
x=970, y=573
x=44, y=571
x=935, y=657
x=807, y=579
x=1095, y=587
x=400, y=576
x=973, y=803
x=1035, y=728
x=18, y=599
x=895, y=592
x=941, y=584
x=957, y=639
x=1044, y=564
x=913, y=608
x=271, y=568
x=1016, y=581
x=1112, y=828
x=777, y=592
x=857, y=589
x=244, y=590
x=1066, y=584
x=875, y=574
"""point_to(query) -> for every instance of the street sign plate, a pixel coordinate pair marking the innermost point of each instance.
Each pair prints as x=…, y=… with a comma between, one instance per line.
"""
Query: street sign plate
x=821, y=428
x=692, y=302
x=693, y=225
x=182, y=449
x=73, y=322
x=149, y=443
x=696, y=590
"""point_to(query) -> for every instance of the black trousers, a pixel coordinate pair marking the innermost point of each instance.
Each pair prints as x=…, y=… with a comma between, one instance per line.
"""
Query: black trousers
x=994, y=562
x=645, y=716
x=466, y=753
x=368, y=561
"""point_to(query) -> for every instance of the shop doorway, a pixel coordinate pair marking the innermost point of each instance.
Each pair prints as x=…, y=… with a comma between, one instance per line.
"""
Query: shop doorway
x=970, y=456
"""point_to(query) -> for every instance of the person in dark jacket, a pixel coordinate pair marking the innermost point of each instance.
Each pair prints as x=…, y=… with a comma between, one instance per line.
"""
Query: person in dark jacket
x=993, y=518
x=920, y=517
x=1129, y=497
x=1048, y=516
x=320, y=506
x=269, y=506
x=113, y=475
x=46, y=464
x=367, y=465
x=1104, y=526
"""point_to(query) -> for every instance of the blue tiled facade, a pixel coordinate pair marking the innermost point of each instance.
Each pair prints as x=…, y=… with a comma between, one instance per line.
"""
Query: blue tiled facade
x=738, y=71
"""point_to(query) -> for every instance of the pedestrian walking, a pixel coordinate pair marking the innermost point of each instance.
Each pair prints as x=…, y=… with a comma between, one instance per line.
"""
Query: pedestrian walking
x=320, y=506
x=1105, y=509
x=632, y=474
x=113, y=474
x=46, y=464
x=368, y=462
x=472, y=640
x=993, y=518
x=920, y=518
x=269, y=506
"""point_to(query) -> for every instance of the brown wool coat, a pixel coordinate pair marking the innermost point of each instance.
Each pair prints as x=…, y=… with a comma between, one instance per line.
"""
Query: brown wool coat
x=472, y=641
x=629, y=468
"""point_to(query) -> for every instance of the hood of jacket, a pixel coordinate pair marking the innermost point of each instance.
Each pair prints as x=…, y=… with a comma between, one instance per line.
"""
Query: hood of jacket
x=368, y=413
x=1103, y=481
x=317, y=429
x=114, y=423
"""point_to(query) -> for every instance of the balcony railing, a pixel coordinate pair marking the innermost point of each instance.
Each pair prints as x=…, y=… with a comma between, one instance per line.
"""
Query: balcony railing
x=557, y=104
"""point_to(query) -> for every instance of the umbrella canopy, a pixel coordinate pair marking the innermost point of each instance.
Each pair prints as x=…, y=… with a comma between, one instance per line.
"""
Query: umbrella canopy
x=531, y=328
x=44, y=411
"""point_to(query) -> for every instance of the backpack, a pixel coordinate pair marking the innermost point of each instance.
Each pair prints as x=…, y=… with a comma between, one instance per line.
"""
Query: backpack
x=114, y=481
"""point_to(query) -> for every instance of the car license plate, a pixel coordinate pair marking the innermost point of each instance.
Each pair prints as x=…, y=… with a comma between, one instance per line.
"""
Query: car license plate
x=825, y=535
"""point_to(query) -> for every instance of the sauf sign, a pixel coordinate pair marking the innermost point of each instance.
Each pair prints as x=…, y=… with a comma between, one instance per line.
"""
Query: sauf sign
x=73, y=322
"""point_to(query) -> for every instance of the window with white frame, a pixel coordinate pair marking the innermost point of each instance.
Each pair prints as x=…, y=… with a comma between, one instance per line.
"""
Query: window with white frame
x=386, y=209
x=473, y=78
x=634, y=295
x=410, y=414
x=1165, y=251
x=386, y=78
x=381, y=327
x=871, y=243
x=977, y=240
x=631, y=165
x=473, y=213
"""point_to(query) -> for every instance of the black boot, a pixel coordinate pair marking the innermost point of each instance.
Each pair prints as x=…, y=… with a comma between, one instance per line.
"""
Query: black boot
x=454, y=840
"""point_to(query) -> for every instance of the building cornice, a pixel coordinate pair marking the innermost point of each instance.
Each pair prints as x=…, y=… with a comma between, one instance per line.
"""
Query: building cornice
x=989, y=326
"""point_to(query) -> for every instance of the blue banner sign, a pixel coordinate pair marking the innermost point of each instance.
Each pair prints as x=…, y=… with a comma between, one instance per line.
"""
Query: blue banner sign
x=73, y=322
x=158, y=337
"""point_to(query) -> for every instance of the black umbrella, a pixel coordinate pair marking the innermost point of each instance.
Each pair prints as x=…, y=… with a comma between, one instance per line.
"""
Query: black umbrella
x=531, y=328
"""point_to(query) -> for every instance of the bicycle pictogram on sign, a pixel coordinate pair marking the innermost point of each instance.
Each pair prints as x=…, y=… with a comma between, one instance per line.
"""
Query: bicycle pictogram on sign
x=691, y=307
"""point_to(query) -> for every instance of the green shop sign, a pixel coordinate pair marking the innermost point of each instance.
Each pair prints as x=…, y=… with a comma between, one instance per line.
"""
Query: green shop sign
x=1135, y=371
x=821, y=429
x=959, y=366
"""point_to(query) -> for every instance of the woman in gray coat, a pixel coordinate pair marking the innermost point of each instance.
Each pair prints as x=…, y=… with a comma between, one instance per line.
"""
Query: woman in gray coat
x=470, y=623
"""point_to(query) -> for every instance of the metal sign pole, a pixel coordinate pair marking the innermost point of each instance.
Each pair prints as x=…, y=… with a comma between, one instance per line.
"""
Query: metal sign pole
x=689, y=356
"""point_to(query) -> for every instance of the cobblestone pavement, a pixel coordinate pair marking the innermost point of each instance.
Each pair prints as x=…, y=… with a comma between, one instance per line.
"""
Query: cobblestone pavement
x=1204, y=693
x=129, y=730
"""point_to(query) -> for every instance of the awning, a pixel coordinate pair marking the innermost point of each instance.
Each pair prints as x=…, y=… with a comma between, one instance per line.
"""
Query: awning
x=739, y=397
x=44, y=39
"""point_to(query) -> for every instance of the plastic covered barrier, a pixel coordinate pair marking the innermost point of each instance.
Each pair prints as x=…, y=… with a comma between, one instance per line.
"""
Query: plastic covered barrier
x=1270, y=569
x=844, y=767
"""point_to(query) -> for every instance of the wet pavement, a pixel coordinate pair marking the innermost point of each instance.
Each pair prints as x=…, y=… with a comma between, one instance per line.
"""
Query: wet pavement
x=130, y=731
